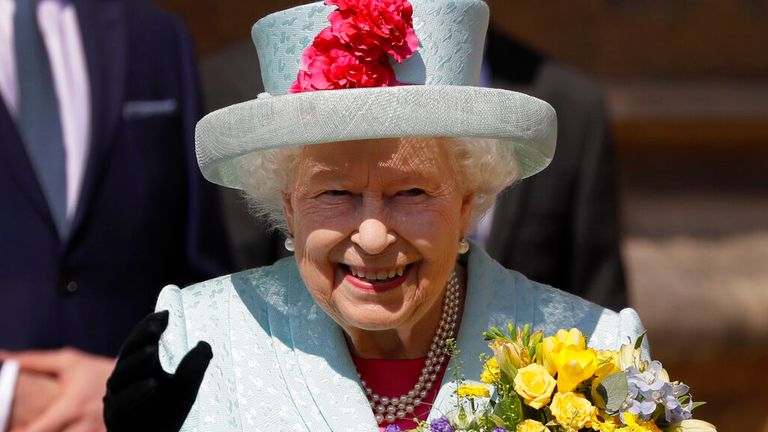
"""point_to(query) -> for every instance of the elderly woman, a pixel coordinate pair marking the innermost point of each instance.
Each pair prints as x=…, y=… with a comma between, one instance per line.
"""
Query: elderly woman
x=376, y=188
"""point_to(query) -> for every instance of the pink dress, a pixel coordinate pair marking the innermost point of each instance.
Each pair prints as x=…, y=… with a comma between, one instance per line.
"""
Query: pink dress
x=393, y=378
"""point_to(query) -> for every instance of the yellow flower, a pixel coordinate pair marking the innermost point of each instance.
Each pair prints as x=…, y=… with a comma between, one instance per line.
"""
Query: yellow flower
x=573, y=365
x=630, y=356
x=529, y=425
x=572, y=411
x=535, y=385
x=571, y=337
x=635, y=424
x=554, y=344
x=491, y=372
x=692, y=425
x=510, y=354
x=604, y=426
x=473, y=390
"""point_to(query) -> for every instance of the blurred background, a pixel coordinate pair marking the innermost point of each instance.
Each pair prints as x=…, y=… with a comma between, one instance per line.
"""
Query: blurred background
x=686, y=87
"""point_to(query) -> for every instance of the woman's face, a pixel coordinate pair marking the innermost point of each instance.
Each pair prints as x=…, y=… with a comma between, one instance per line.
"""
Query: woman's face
x=376, y=226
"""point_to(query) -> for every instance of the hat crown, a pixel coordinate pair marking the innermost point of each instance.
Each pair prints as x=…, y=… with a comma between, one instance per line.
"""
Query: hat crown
x=451, y=38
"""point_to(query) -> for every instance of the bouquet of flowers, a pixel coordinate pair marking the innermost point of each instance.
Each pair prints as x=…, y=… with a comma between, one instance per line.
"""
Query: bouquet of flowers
x=557, y=384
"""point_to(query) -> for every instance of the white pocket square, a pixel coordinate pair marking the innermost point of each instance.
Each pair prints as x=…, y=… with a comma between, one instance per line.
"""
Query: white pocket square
x=149, y=108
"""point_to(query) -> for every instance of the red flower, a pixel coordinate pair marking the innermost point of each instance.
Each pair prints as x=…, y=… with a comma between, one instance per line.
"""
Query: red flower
x=376, y=24
x=354, y=51
x=328, y=64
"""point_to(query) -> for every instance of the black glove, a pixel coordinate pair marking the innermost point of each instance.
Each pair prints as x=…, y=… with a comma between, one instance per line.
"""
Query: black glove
x=141, y=396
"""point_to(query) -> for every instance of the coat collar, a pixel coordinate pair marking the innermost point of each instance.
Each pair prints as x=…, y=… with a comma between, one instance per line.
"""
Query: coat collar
x=319, y=345
x=320, y=350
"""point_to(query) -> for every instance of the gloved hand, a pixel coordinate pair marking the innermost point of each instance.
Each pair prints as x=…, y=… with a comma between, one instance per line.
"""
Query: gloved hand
x=141, y=396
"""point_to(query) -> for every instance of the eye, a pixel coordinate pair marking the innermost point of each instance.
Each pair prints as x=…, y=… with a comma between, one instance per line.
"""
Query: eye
x=412, y=192
x=337, y=193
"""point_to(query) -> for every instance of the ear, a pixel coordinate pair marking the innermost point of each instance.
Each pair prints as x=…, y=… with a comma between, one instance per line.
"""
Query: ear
x=466, y=212
x=288, y=211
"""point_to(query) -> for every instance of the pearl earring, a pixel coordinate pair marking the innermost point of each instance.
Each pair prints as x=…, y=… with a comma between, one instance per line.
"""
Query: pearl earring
x=289, y=246
x=463, y=246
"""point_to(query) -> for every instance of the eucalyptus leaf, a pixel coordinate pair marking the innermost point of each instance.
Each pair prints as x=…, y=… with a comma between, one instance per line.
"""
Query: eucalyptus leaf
x=613, y=390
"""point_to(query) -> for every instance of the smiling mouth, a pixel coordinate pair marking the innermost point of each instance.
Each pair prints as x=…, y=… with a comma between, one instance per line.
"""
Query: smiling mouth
x=376, y=280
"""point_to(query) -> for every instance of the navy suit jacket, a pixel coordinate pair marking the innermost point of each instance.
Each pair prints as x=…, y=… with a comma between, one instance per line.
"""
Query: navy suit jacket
x=145, y=217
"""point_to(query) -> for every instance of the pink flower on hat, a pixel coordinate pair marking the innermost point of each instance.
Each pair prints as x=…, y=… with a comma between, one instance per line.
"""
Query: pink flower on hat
x=353, y=52
x=382, y=24
x=327, y=64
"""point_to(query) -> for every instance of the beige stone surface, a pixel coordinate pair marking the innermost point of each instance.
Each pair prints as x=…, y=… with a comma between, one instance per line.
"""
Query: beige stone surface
x=697, y=265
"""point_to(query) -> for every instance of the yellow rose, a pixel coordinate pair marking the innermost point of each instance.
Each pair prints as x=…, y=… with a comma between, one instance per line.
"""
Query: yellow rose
x=692, y=425
x=573, y=365
x=529, y=425
x=554, y=344
x=491, y=372
x=572, y=411
x=473, y=390
x=535, y=385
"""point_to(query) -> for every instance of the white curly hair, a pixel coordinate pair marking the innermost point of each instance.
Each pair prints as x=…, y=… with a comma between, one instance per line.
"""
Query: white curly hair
x=486, y=167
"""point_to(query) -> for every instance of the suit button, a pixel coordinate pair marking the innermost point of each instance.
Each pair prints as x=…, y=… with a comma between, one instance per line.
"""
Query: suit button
x=71, y=287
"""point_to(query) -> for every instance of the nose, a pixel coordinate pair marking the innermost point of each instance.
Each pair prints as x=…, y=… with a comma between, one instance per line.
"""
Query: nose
x=373, y=236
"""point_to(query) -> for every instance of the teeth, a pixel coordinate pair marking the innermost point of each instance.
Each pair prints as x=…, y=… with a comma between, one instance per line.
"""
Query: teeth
x=382, y=275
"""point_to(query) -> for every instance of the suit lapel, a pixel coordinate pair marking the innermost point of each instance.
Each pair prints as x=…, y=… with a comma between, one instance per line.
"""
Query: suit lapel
x=328, y=376
x=102, y=28
x=16, y=162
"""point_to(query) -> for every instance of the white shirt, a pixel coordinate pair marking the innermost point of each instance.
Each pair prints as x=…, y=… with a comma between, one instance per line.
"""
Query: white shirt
x=57, y=20
x=9, y=371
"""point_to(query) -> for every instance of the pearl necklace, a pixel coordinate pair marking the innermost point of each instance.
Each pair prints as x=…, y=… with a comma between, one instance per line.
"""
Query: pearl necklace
x=389, y=410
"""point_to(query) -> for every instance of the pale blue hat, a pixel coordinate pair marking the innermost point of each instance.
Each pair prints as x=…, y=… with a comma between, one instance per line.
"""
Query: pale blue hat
x=442, y=97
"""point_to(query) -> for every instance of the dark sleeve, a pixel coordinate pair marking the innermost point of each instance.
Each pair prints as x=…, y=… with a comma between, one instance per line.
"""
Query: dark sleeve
x=208, y=252
x=596, y=265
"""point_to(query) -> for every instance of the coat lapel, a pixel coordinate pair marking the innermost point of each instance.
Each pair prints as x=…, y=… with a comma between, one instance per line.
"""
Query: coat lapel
x=487, y=282
x=102, y=28
x=329, y=378
x=15, y=161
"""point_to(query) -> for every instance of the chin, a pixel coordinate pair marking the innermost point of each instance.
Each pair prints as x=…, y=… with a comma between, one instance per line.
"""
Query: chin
x=373, y=321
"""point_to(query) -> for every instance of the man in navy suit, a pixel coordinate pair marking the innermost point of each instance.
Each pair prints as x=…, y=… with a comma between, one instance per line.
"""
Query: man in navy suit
x=109, y=206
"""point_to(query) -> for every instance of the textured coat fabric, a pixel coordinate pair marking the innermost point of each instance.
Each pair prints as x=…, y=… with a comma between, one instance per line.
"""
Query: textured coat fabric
x=281, y=364
x=145, y=217
x=560, y=227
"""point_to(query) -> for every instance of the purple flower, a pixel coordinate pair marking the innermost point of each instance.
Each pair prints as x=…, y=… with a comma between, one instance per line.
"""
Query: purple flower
x=499, y=429
x=393, y=428
x=441, y=425
x=649, y=389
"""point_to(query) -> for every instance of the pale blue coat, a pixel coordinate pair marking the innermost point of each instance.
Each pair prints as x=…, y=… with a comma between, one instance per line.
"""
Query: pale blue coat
x=281, y=364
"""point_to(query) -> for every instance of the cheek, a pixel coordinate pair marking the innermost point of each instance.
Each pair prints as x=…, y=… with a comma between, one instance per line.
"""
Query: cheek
x=435, y=222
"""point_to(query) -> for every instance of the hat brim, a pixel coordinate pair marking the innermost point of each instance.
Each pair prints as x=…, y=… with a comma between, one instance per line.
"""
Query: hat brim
x=528, y=125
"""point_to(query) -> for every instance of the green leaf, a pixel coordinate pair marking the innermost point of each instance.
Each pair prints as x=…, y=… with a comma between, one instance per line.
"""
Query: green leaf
x=510, y=411
x=697, y=404
x=639, y=341
x=613, y=390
